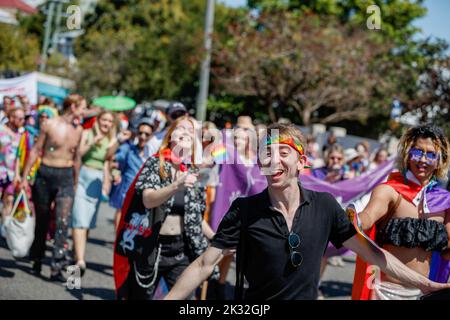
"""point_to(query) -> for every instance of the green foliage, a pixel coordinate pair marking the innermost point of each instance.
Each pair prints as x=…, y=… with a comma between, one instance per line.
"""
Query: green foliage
x=18, y=51
x=146, y=49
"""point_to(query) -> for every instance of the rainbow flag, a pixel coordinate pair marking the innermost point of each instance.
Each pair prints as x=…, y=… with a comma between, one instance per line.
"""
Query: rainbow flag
x=435, y=199
x=219, y=154
x=23, y=150
x=21, y=207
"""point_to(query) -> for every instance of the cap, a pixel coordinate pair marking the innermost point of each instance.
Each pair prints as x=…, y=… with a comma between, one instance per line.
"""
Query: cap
x=350, y=154
x=176, y=107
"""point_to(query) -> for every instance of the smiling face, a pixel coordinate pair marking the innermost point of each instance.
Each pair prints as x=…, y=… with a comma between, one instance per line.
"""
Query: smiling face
x=183, y=136
x=105, y=123
x=281, y=164
x=420, y=163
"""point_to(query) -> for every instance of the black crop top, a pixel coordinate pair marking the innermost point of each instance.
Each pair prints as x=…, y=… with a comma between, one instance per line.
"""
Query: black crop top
x=178, y=204
x=412, y=232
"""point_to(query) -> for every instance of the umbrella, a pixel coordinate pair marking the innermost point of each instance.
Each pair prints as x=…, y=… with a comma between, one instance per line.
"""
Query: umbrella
x=115, y=103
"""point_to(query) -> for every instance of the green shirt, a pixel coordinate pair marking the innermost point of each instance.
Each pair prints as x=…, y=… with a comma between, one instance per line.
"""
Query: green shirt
x=95, y=157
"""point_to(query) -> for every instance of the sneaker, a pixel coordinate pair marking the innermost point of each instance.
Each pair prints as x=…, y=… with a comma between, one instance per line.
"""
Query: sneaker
x=104, y=198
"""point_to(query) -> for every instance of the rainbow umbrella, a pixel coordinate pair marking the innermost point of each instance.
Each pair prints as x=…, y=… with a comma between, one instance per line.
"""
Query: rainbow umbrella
x=115, y=103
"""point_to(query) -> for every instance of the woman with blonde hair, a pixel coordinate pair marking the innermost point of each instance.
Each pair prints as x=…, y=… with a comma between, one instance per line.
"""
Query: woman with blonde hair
x=95, y=143
x=409, y=215
x=168, y=186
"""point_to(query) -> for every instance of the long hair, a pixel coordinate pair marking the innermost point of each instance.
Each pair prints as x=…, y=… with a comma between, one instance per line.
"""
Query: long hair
x=440, y=142
x=335, y=148
x=166, y=144
x=113, y=130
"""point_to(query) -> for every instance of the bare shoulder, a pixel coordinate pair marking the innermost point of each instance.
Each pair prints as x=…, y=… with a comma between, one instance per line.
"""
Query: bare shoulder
x=384, y=192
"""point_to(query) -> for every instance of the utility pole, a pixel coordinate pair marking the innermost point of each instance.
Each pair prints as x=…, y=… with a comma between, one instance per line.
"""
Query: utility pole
x=48, y=30
x=204, y=71
x=57, y=30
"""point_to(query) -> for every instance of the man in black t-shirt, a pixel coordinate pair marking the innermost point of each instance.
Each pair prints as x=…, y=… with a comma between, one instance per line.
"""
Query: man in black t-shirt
x=284, y=232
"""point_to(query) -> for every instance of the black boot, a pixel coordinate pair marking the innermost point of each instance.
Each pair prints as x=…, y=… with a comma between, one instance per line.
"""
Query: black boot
x=37, y=267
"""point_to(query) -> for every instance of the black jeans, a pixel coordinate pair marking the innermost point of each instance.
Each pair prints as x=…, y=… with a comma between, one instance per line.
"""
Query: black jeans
x=52, y=184
x=172, y=263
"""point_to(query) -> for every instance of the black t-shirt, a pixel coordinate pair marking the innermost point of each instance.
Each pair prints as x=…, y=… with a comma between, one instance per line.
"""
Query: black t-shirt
x=267, y=264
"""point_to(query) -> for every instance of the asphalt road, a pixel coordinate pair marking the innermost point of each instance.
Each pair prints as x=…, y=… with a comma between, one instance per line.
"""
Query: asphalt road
x=16, y=281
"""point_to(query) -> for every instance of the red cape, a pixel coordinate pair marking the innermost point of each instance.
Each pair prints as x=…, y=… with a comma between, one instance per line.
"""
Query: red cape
x=121, y=265
x=408, y=191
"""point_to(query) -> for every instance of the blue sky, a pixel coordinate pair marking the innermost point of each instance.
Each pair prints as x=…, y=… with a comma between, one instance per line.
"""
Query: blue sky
x=436, y=23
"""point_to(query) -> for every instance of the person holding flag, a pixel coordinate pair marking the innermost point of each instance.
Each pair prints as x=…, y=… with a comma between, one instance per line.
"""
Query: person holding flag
x=162, y=227
x=409, y=216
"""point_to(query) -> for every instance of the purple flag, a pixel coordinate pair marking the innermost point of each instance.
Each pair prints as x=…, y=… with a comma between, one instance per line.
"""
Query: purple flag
x=238, y=180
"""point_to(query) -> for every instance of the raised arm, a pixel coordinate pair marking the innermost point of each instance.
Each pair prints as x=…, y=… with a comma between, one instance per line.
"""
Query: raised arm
x=197, y=272
x=390, y=265
x=381, y=199
x=85, y=145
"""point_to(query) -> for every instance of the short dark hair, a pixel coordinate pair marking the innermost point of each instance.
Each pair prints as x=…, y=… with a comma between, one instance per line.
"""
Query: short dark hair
x=71, y=99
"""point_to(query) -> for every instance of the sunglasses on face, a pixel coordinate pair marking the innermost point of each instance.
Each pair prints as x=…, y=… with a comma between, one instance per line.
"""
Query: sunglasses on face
x=294, y=242
x=144, y=133
x=417, y=154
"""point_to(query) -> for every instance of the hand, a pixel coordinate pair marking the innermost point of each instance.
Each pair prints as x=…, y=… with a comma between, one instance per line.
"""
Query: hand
x=17, y=180
x=185, y=180
x=23, y=184
x=117, y=179
x=333, y=176
x=98, y=138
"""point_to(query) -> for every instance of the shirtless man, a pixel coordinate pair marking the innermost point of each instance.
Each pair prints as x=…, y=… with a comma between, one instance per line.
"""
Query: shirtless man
x=411, y=213
x=58, y=143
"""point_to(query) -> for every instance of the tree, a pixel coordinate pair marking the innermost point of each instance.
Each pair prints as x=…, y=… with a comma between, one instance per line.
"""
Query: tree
x=396, y=15
x=19, y=51
x=307, y=64
x=145, y=49
x=431, y=100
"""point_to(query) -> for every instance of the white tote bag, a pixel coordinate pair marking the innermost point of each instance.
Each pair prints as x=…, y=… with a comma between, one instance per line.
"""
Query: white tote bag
x=19, y=227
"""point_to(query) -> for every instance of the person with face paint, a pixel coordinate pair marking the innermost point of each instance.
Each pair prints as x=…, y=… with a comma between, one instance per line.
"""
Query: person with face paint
x=409, y=215
x=281, y=233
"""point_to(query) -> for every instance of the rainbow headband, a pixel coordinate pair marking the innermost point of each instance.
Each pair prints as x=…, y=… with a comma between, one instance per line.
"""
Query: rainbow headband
x=294, y=143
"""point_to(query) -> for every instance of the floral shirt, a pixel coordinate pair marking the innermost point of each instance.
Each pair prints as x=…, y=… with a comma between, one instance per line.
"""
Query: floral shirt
x=194, y=199
x=9, y=142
